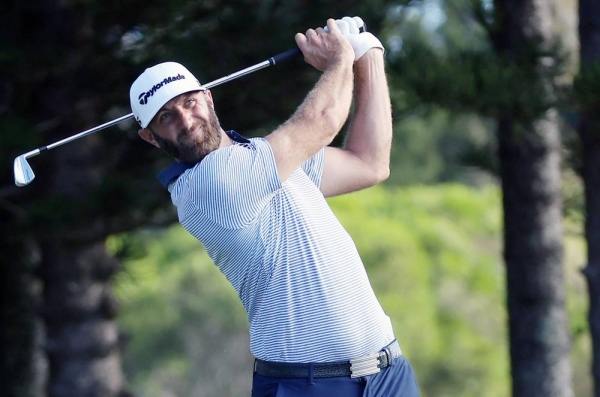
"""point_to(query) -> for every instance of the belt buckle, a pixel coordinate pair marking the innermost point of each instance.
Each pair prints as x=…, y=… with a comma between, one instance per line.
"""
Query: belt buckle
x=364, y=366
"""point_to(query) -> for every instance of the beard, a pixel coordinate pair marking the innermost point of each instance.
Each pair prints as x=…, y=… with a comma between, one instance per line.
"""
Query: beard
x=190, y=148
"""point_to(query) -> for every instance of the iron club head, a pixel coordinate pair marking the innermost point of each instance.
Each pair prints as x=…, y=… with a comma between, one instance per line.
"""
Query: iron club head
x=23, y=172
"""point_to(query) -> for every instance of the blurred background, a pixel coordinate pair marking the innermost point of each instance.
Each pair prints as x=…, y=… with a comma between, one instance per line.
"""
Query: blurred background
x=478, y=245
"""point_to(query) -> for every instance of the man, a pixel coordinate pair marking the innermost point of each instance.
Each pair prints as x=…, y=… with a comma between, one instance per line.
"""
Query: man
x=258, y=206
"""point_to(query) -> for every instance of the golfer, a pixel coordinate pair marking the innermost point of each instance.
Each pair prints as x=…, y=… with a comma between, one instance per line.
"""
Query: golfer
x=258, y=206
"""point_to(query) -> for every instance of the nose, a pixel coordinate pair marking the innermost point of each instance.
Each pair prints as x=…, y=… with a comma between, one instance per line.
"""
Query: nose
x=183, y=118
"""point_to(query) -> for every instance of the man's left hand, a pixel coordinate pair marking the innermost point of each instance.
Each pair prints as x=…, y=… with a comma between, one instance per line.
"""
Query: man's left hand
x=361, y=42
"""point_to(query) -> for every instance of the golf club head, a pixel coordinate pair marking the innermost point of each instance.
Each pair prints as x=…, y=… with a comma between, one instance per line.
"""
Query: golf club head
x=23, y=172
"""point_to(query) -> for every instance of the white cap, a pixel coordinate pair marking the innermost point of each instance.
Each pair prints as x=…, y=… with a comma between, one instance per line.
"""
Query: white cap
x=157, y=86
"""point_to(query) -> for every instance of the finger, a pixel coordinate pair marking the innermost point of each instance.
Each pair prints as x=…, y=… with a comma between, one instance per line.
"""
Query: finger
x=332, y=26
x=351, y=23
x=359, y=22
x=321, y=31
x=311, y=33
x=343, y=25
x=301, y=41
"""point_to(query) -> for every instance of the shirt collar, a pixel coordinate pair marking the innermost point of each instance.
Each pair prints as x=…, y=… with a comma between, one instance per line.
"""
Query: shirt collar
x=171, y=173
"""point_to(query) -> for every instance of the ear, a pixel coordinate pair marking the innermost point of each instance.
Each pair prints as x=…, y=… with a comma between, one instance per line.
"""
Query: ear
x=146, y=135
x=209, y=98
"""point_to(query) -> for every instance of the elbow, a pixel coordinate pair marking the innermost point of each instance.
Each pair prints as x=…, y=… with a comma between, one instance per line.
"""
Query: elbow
x=381, y=174
x=375, y=176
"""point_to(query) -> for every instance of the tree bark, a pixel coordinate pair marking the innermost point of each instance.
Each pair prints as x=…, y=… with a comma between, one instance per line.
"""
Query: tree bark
x=529, y=152
x=590, y=138
x=23, y=366
x=83, y=342
x=589, y=132
x=533, y=253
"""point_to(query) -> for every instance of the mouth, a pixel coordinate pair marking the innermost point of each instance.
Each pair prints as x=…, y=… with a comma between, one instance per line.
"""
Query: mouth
x=189, y=134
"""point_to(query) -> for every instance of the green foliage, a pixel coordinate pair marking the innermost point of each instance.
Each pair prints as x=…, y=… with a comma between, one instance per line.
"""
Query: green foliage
x=443, y=55
x=451, y=55
x=436, y=137
x=432, y=254
x=573, y=201
x=437, y=146
x=587, y=84
x=179, y=313
x=577, y=304
x=586, y=87
x=479, y=82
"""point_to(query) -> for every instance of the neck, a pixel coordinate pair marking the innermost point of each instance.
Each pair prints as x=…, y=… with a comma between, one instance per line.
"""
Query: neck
x=225, y=139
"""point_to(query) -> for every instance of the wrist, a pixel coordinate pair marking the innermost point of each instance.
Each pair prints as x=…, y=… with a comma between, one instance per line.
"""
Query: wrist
x=344, y=59
x=373, y=53
x=372, y=58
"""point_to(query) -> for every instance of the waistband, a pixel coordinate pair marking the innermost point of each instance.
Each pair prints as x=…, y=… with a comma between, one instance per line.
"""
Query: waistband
x=355, y=368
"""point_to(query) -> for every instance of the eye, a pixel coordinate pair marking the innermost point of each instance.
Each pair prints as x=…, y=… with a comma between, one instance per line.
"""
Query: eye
x=164, y=116
x=190, y=102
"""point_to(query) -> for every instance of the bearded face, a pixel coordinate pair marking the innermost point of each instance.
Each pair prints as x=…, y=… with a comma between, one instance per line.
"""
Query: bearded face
x=194, y=143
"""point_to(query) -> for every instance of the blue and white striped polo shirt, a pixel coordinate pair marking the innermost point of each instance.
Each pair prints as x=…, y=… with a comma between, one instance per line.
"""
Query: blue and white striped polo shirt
x=295, y=268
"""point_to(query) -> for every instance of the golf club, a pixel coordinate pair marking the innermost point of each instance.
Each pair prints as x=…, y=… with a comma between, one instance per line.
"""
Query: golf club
x=23, y=172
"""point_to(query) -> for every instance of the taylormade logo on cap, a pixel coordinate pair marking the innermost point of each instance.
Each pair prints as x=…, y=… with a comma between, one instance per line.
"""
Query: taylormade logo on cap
x=157, y=86
x=144, y=95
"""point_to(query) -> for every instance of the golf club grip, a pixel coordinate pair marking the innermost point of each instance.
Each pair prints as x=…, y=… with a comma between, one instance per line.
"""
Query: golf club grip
x=296, y=51
x=284, y=56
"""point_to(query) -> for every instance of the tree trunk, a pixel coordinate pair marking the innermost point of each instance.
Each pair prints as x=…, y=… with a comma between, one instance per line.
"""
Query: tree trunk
x=533, y=252
x=23, y=367
x=589, y=131
x=83, y=340
x=530, y=163
x=591, y=177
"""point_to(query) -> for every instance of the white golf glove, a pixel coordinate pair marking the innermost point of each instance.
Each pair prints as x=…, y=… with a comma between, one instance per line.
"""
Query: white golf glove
x=361, y=42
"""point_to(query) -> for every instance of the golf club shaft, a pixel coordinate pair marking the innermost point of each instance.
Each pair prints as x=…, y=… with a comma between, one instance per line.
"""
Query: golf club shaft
x=269, y=62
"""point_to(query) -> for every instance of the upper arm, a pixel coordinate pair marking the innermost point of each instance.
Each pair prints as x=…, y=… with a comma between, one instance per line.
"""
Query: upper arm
x=345, y=172
x=297, y=140
x=365, y=159
x=324, y=110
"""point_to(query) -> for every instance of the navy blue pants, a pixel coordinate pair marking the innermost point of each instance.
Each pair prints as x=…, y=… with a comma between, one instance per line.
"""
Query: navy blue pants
x=397, y=380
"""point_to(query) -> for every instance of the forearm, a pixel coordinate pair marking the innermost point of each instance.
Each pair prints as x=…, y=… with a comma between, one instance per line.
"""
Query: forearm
x=325, y=109
x=369, y=135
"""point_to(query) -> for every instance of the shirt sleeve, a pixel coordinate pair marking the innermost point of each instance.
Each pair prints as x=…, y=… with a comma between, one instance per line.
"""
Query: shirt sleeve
x=313, y=167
